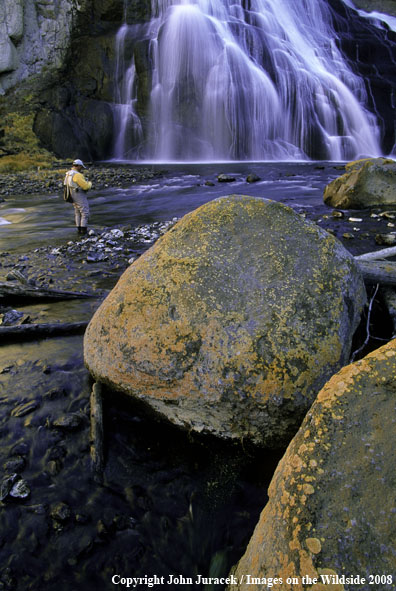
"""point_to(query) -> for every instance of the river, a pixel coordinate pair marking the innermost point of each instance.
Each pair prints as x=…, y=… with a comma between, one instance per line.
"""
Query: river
x=31, y=221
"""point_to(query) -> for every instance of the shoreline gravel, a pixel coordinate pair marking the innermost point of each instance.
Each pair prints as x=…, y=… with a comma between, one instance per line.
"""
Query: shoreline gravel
x=47, y=181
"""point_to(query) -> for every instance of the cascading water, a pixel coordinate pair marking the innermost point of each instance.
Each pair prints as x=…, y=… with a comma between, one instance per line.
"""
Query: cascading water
x=247, y=80
x=127, y=123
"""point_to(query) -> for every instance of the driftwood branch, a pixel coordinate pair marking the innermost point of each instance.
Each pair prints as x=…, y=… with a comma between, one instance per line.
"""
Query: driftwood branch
x=27, y=331
x=368, y=320
x=96, y=412
x=384, y=253
x=389, y=299
x=382, y=272
x=12, y=290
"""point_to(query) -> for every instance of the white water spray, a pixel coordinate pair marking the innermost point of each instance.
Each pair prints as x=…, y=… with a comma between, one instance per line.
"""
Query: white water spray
x=247, y=80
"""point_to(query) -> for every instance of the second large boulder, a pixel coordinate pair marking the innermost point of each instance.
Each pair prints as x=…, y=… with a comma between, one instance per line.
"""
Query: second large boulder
x=232, y=322
x=367, y=182
x=331, y=510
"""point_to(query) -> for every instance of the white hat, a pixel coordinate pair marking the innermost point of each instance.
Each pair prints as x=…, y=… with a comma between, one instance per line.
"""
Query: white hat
x=79, y=162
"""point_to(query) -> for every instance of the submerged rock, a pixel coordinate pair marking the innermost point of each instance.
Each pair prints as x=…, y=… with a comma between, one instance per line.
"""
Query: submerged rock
x=331, y=508
x=68, y=422
x=6, y=485
x=225, y=178
x=232, y=322
x=20, y=490
x=252, y=178
x=61, y=512
x=23, y=409
x=367, y=182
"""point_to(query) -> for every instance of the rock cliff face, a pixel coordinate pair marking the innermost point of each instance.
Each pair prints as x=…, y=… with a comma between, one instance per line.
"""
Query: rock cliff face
x=56, y=64
x=62, y=52
x=385, y=6
x=32, y=34
x=371, y=52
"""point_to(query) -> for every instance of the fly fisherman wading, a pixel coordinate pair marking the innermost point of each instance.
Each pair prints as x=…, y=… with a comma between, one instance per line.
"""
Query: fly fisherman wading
x=79, y=186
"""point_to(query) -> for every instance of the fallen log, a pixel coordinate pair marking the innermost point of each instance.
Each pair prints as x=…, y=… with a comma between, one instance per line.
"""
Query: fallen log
x=12, y=290
x=96, y=431
x=384, y=253
x=28, y=331
x=381, y=272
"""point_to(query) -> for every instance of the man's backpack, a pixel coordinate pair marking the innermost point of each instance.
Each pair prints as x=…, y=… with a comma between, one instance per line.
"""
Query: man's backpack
x=67, y=194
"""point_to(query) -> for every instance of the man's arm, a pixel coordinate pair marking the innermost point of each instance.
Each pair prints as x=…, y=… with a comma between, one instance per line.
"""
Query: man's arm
x=81, y=182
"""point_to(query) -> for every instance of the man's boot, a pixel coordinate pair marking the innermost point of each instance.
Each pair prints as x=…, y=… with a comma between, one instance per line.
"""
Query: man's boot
x=83, y=229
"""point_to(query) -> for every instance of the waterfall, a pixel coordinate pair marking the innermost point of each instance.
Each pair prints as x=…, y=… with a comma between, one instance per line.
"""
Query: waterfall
x=242, y=80
x=129, y=133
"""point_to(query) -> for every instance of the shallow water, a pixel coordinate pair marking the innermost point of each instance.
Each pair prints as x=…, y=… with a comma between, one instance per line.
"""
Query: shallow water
x=30, y=221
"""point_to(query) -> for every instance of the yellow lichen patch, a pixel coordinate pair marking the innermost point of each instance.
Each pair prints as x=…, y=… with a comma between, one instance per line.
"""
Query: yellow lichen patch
x=313, y=545
x=308, y=489
x=357, y=164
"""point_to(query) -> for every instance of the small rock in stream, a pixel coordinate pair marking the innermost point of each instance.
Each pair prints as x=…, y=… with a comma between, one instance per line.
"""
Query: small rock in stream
x=225, y=178
x=68, y=422
x=11, y=317
x=252, y=178
x=23, y=409
x=386, y=239
x=20, y=490
x=61, y=512
x=6, y=485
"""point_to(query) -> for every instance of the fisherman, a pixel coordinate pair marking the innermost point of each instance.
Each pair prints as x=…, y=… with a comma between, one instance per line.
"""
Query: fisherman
x=79, y=186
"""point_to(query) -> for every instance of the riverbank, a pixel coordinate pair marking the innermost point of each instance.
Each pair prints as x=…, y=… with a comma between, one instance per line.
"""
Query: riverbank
x=50, y=180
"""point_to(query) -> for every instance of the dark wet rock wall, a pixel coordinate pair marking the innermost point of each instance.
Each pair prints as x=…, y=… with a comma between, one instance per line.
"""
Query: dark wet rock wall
x=371, y=53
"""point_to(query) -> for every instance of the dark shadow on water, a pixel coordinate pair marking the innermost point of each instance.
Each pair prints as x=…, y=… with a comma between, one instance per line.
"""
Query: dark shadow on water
x=195, y=499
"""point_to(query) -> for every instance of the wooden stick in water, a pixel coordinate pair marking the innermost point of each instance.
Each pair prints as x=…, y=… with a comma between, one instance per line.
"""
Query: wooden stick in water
x=97, y=458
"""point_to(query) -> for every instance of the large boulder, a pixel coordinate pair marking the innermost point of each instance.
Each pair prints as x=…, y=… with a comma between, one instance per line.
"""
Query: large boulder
x=232, y=322
x=331, y=508
x=367, y=182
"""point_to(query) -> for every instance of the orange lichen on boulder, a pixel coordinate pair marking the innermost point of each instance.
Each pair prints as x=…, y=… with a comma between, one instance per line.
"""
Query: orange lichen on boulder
x=347, y=525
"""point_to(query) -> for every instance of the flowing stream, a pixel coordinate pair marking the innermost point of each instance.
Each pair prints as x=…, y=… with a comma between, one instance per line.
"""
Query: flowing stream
x=256, y=80
x=28, y=222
